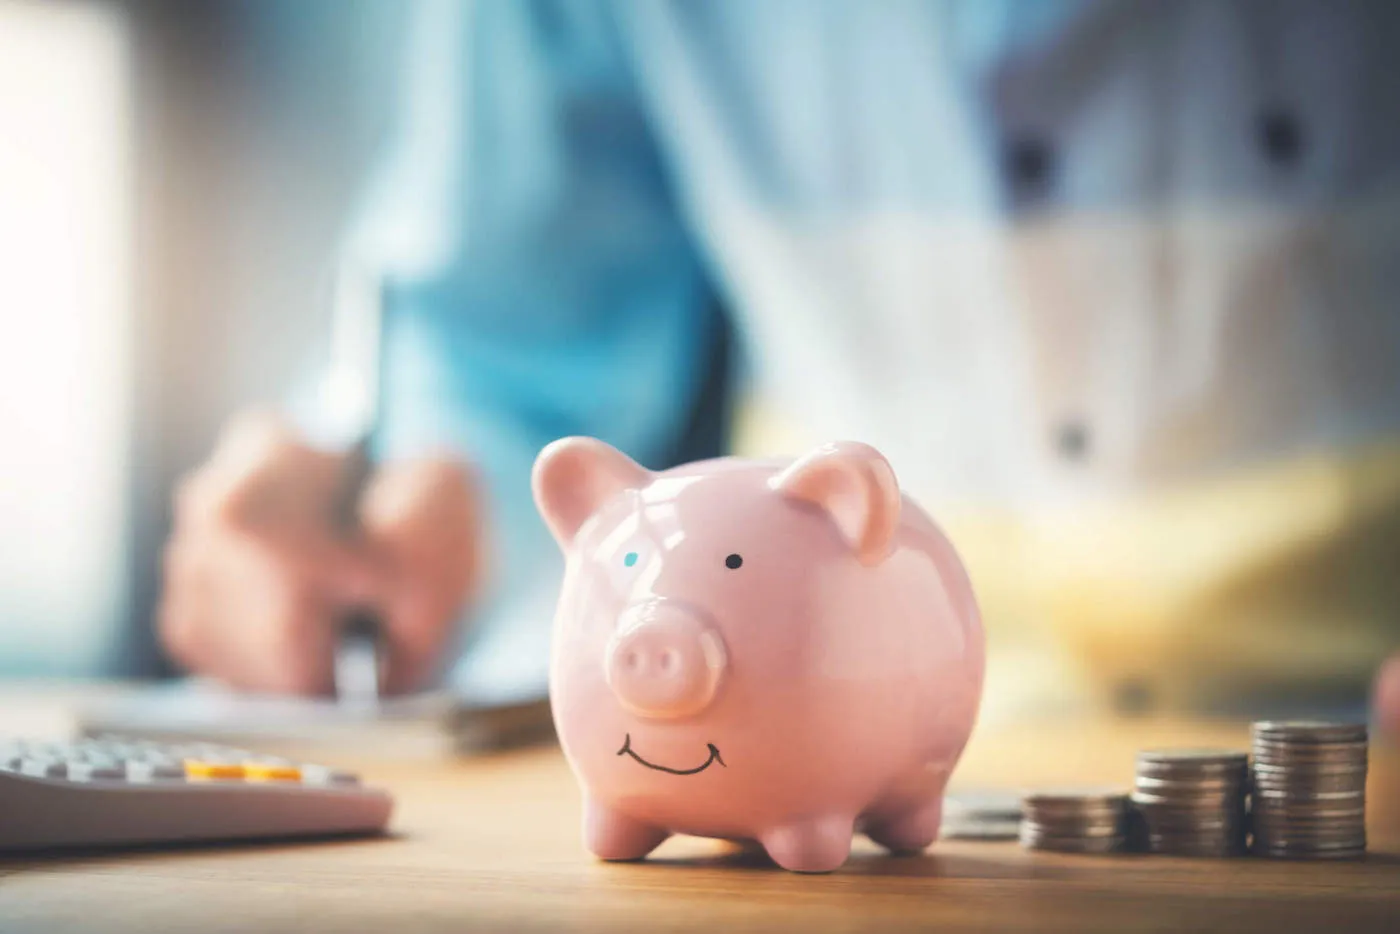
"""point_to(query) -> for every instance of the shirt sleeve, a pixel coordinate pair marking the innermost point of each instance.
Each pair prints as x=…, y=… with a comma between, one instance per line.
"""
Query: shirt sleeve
x=538, y=282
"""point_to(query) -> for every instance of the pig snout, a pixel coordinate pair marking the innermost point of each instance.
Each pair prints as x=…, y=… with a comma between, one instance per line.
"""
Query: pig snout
x=664, y=662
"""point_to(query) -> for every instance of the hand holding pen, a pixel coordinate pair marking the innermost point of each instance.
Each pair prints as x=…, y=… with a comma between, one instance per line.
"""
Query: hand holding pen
x=260, y=573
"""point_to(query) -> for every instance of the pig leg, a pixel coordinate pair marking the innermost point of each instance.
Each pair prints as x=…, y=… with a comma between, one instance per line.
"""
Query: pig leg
x=612, y=835
x=909, y=831
x=819, y=844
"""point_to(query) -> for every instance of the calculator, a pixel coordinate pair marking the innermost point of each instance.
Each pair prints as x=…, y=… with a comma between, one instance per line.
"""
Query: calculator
x=116, y=791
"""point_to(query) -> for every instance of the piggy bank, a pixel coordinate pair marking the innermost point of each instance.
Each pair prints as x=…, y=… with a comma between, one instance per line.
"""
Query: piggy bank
x=786, y=652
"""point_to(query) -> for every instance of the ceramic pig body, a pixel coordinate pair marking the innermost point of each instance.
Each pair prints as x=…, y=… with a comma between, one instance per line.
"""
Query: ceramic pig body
x=785, y=652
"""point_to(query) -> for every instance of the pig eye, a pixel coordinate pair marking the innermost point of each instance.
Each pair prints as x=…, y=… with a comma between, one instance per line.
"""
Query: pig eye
x=734, y=562
x=629, y=559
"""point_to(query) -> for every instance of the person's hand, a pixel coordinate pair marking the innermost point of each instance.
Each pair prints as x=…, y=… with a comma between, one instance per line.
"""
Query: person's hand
x=1387, y=696
x=258, y=576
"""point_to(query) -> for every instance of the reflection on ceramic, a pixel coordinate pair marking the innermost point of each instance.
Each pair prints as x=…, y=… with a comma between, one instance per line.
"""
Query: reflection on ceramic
x=782, y=651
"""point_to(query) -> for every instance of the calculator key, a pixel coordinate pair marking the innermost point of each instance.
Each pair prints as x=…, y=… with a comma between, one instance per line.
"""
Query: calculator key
x=261, y=771
x=189, y=750
x=206, y=770
x=41, y=749
x=97, y=771
x=156, y=756
x=96, y=758
x=214, y=754
x=114, y=750
x=139, y=770
x=44, y=768
x=325, y=775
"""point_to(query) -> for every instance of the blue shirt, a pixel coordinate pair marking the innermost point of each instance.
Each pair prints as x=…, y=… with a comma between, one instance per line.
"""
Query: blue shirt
x=903, y=204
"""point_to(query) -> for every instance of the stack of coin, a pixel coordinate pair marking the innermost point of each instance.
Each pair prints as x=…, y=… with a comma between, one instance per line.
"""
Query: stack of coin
x=1074, y=820
x=1309, y=795
x=981, y=815
x=1191, y=802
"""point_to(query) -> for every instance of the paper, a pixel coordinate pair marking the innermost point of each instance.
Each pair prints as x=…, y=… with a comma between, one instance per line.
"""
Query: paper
x=198, y=709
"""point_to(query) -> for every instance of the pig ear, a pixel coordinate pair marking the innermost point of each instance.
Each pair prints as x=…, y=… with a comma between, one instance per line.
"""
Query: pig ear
x=574, y=476
x=856, y=486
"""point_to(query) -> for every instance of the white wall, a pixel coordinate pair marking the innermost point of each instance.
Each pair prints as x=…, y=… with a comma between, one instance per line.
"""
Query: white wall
x=65, y=288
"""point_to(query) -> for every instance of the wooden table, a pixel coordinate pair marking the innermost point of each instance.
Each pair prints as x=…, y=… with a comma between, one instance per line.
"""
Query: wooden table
x=493, y=844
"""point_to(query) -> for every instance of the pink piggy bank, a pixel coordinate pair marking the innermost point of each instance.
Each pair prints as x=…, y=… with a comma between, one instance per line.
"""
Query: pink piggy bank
x=786, y=652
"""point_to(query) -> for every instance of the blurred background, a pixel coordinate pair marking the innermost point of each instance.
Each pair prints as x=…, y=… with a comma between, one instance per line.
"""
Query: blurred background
x=1167, y=353
x=173, y=181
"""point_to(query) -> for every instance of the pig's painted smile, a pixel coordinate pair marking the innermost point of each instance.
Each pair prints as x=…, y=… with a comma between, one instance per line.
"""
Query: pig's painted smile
x=628, y=750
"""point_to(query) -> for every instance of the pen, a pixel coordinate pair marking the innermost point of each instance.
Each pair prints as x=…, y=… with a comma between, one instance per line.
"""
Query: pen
x=357, y=648
x=357, y=319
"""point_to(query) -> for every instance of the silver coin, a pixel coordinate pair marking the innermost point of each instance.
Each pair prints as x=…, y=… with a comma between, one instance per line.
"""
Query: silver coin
x=1219, y=780
x=1188, y=802
x=1352, y=842
x=1186, y=834
x=1287, y=752
x=1355, y=779
x=1338, y=836
x=1148, y=802
x=1165, y=817
x=1193, y=758
x=1287, y=797
x=1073, y=844
x=1263, y=819
x=1266, y=770
x=1198, y=821
x=1151, y=804
x=1058, y=833
x=1190, y=834
x=1304, y=832
x=1339, y=747
x=1272, y=766
x=1309, y=758
x=1302, y=796
x=1333, y=842
x=1309, y=731
x=1338, y=839
x=1306, y=821
x=1218, y=784
x=1082, y=797
x=1218, y=841
x=1309, y=854
x=1306, y=843
x=1208, y=851
x=1301, y=827
x=1204, y=852
x=980, y=829
x=1076, y=819
x=1283, y=795
x=1266, y=808
x=1188, y=768
x=1311, y=752
x=1051, y=830
x=1197, y=836
x=1306, y=761
x=1272, y=846
x=1272, y=771
x=1004, y=805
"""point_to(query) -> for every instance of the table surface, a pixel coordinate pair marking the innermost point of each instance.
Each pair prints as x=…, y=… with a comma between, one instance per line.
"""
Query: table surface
x=493, y=844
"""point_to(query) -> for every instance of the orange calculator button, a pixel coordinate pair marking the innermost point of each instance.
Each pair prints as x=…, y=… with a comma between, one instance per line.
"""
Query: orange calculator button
x=271, y=772
x=204, y=769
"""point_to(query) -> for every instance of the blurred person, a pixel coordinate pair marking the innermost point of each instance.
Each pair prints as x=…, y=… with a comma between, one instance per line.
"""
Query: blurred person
x=1110, y=282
